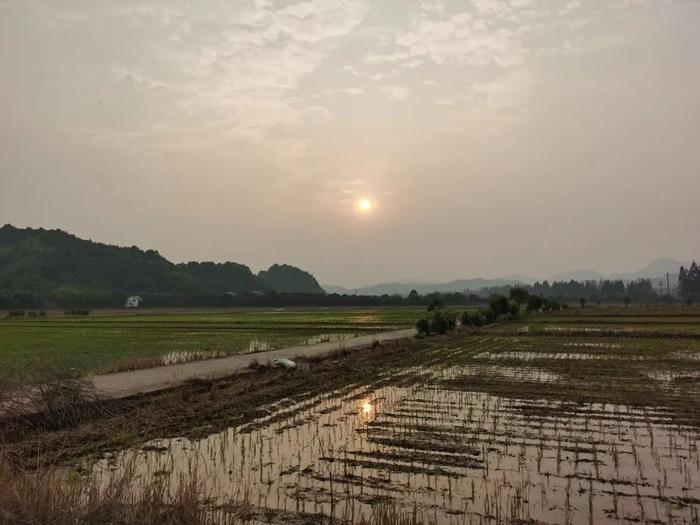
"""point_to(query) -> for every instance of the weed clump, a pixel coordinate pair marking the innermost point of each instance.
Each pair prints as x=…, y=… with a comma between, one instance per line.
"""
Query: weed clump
x=59, y=400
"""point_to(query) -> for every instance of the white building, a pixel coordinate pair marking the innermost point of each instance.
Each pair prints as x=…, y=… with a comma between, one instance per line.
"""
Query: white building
x=133, y=301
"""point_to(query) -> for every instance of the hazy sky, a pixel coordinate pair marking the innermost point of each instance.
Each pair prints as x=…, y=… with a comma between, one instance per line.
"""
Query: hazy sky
x=492, y=137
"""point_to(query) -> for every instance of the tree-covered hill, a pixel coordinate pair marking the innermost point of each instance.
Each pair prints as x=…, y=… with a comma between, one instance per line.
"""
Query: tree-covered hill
x=284, y=278
x=41, y=268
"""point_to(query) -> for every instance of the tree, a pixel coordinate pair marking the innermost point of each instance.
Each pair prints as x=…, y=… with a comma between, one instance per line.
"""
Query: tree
x=519, y=295
x=499, y=305
x=514, y=308
x=626, y=300
x=642, y=291
x=582, y=302
x=551, y=304
x=440, y=321
x=689, y=283
x=534, y=303
x=612, y=291
x=436, y=304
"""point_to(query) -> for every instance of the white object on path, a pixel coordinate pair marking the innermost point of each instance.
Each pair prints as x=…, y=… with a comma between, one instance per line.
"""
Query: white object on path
x=284, y=363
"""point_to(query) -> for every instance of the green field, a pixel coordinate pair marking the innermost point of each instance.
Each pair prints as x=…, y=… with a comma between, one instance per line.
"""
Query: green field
x=106, y=341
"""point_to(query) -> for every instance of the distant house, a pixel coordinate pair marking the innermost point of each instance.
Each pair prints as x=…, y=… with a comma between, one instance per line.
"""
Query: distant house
x=256, y=293
x=133, y=301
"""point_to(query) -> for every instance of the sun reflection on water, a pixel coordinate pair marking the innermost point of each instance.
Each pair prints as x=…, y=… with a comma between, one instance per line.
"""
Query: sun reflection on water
x=368, y=409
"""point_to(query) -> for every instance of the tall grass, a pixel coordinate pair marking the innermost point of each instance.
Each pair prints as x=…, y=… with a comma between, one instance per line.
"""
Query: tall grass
x=53, y=496
x=60, y=400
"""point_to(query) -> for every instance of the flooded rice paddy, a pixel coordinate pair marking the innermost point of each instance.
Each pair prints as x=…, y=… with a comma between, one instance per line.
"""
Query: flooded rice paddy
x=494, y=430
x=255, y=344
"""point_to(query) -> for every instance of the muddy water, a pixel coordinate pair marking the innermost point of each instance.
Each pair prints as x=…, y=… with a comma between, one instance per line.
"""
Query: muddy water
x=449, y=456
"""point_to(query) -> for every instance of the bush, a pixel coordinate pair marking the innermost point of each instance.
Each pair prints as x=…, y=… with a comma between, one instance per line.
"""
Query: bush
x=440, y=321
x=550, y=304
x=499, y=305
x=423, y=327
x=475, y=319
x=489, y=316
x=78, y=312
x=534, y=303
x=519, y=295
x=443, y=321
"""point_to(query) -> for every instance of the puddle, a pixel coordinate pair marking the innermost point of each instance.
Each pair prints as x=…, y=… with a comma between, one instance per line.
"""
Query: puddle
x=668, y=376
x=543, y=355
x=593, y=345
x=262, y=345
x=582, y=329
x=173, y=358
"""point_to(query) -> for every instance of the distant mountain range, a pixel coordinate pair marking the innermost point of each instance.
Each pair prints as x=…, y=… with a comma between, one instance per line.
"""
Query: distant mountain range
x=404, y=288
x=59, y=268
x=656, y=270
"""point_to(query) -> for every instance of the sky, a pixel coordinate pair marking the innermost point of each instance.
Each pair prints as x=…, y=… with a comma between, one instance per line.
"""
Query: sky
x=490, y=137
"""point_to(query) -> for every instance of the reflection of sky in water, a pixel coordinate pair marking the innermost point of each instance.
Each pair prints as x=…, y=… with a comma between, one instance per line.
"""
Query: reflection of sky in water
x=253, y=345
x=456, y=456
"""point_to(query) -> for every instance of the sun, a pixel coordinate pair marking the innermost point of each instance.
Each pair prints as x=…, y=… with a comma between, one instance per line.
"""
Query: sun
x=364, y=205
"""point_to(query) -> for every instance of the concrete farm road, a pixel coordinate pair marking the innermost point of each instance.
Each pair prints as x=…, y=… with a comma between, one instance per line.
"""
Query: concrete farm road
x=125, y=384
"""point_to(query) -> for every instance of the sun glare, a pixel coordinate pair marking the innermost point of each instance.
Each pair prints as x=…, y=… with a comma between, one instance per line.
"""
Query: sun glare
x=364, y=205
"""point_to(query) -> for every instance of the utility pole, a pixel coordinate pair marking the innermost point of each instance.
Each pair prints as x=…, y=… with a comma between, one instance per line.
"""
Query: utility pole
x=668, y=283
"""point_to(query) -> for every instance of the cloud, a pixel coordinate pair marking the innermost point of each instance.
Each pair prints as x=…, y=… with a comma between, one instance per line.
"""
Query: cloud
x=509, y=92
x=235, y=66
x=431, y=6
x=394, y=92
x=351, y=91
x=444, y=101
x=464, y=38
x=138, y=79
x=572, y=5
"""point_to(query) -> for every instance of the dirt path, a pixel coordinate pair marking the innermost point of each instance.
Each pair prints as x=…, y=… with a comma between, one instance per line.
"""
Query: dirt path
x=125, y=384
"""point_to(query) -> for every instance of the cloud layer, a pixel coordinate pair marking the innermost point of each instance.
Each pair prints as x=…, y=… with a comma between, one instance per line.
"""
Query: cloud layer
x=246, y=130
